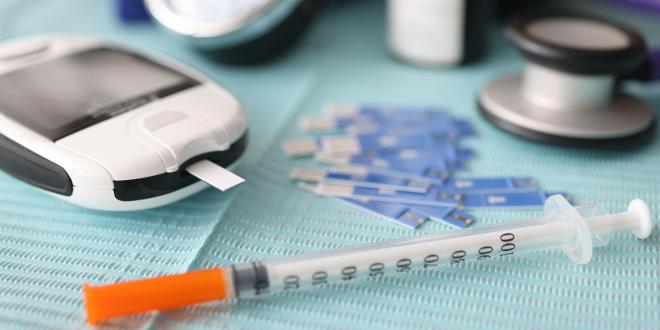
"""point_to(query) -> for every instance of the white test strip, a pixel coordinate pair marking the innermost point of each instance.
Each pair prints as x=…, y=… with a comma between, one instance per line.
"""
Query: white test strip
x=299, y=148
x=214, y=174
x=317, y=124
x=341, y=110
x=328, y=190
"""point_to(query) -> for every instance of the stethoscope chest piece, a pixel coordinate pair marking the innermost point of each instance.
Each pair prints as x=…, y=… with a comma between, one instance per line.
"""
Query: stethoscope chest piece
x=569, y=91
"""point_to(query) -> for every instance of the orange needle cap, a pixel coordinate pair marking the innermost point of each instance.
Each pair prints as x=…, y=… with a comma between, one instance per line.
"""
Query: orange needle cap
x=159, y=293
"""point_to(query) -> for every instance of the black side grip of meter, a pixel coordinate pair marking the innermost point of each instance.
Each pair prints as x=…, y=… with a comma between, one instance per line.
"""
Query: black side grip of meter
x=38, y=171
x=157, y=185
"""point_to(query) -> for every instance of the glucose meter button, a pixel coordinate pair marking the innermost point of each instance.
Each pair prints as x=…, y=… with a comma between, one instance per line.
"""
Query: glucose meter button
x=161, y=119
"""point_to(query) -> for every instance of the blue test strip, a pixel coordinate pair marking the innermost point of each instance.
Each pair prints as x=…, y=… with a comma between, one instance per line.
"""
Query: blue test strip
x=435, y=173
x=490, y=184
x=383, y=111
x=511, y=199
x=392, y=141
x=374, y=120
x=377, y=181
x=401, y=119
x=405, y=197
x=448, y=151
x=431, y=198
x=445, y=128
x=437, y=197
x=446, y=215
x=464, y=128
x=435, y=120
x=380, y=195
x=507, y=200
x=463, y=154
x=460, y=216
x=360, y=179
x=427, y=174
x=442, y=159
x=397, y=213
x=309, y=146
x=442, y=156
x=365, y=143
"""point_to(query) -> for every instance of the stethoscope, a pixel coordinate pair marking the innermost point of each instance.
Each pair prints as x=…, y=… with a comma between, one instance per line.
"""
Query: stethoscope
x=570, y=90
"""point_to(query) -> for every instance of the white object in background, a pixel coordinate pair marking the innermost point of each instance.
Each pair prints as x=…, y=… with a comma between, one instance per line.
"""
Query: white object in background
x=427, y=31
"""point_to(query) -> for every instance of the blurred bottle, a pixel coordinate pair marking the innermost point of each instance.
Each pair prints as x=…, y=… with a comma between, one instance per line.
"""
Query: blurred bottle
x=438, y=32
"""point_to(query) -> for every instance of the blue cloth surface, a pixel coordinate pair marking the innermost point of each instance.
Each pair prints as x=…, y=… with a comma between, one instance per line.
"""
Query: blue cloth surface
x=48, y=248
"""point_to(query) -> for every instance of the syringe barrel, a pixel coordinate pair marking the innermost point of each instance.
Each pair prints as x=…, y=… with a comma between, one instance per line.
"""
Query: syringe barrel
x=399, y=256
x=575, y=230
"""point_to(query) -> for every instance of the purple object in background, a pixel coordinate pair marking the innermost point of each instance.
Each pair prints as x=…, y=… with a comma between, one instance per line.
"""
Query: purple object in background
x=132, y=11
x=654, y=64
x=650, y=6
x=652, y=67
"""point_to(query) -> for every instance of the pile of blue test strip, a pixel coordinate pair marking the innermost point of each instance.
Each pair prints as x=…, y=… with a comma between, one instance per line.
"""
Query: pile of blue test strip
x=404, y=164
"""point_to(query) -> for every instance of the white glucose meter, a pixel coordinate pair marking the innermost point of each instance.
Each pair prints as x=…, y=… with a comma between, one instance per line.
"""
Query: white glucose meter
x=108, y=128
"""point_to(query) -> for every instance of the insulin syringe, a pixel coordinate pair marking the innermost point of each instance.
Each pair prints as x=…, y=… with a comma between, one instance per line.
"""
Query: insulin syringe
x=575, y=230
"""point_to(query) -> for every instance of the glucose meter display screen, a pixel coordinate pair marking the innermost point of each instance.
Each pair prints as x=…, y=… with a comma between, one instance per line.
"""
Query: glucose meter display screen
x=64, y=95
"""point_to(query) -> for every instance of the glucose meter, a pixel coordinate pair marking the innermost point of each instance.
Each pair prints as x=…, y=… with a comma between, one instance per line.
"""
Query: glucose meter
x=109, y=128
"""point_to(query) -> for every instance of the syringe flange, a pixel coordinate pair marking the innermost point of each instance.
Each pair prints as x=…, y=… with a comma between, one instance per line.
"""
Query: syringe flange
x=594, y=228
x=580, y=249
